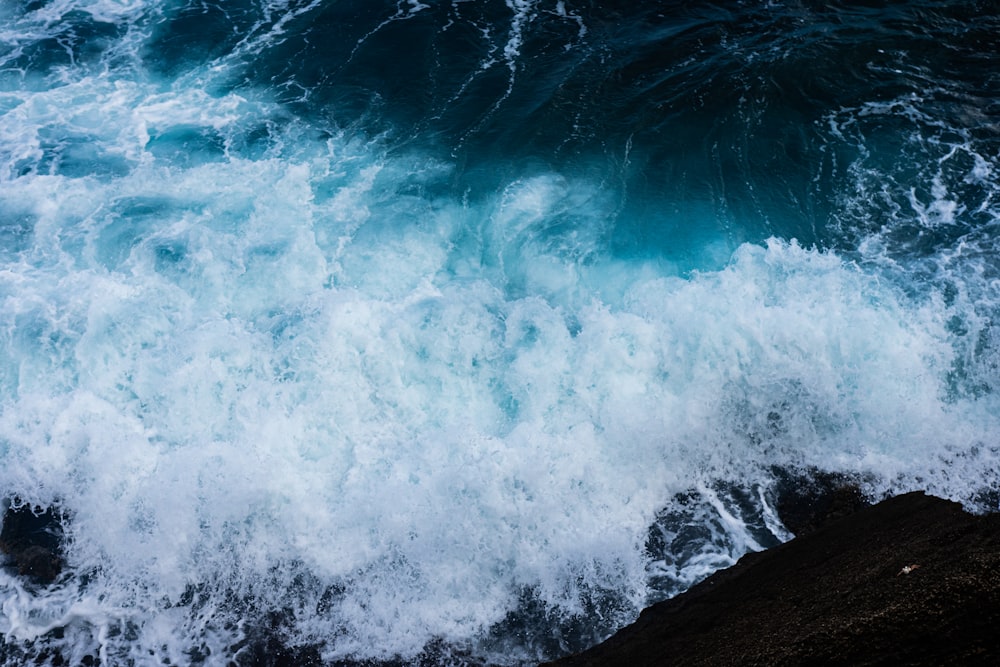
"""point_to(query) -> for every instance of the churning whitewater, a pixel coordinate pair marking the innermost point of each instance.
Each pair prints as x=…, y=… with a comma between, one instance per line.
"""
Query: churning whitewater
x=460, y=331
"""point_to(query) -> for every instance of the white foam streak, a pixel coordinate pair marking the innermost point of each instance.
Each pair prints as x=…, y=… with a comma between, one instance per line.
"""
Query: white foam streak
x=108, y=11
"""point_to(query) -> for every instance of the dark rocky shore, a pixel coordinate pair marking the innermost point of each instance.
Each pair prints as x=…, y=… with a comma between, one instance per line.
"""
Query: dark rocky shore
x=913, y=580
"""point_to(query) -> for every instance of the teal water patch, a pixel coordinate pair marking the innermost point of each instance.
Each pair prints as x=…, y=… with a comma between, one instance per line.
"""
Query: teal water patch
x=187, y=146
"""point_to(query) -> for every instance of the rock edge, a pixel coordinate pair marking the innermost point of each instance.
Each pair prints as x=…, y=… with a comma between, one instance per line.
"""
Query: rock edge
x=913, y=580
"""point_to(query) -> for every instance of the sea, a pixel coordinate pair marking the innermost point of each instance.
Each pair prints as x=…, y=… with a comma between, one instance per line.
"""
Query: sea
x=455, y=332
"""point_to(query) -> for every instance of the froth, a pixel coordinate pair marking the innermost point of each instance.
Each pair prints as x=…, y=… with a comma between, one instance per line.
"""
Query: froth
x=297, y=372
x=247, y=385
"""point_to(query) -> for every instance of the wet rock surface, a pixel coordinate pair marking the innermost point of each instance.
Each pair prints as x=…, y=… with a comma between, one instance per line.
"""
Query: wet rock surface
x=31, y=542
x=913, y=580
x=806, y=500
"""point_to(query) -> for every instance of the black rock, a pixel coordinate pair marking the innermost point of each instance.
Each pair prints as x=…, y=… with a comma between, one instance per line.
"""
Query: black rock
x=31, y=538
x=806, y=500
x=913, y=580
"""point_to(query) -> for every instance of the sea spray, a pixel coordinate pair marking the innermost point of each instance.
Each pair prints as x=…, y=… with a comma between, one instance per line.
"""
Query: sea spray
x=480, y=370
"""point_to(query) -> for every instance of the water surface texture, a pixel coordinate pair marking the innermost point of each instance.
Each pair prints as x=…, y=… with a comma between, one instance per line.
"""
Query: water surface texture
x=460, y=331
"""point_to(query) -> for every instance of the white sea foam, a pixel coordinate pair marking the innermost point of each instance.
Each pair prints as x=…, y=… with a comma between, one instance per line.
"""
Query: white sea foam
x=300, y=382
x=216, y=392
x=109, y=11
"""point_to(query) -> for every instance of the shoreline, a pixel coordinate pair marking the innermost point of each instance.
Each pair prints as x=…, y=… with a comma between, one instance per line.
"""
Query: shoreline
x=911, y=580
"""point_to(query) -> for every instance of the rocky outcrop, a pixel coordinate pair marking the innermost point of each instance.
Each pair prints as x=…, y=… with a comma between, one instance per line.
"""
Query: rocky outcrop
x=913, y=580
x=31, y=541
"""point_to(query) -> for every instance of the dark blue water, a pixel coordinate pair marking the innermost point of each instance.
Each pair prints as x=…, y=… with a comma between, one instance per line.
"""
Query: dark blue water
x=460, y=331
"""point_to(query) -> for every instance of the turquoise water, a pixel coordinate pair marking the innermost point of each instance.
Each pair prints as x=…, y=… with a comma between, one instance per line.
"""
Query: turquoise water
x=466, y=329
